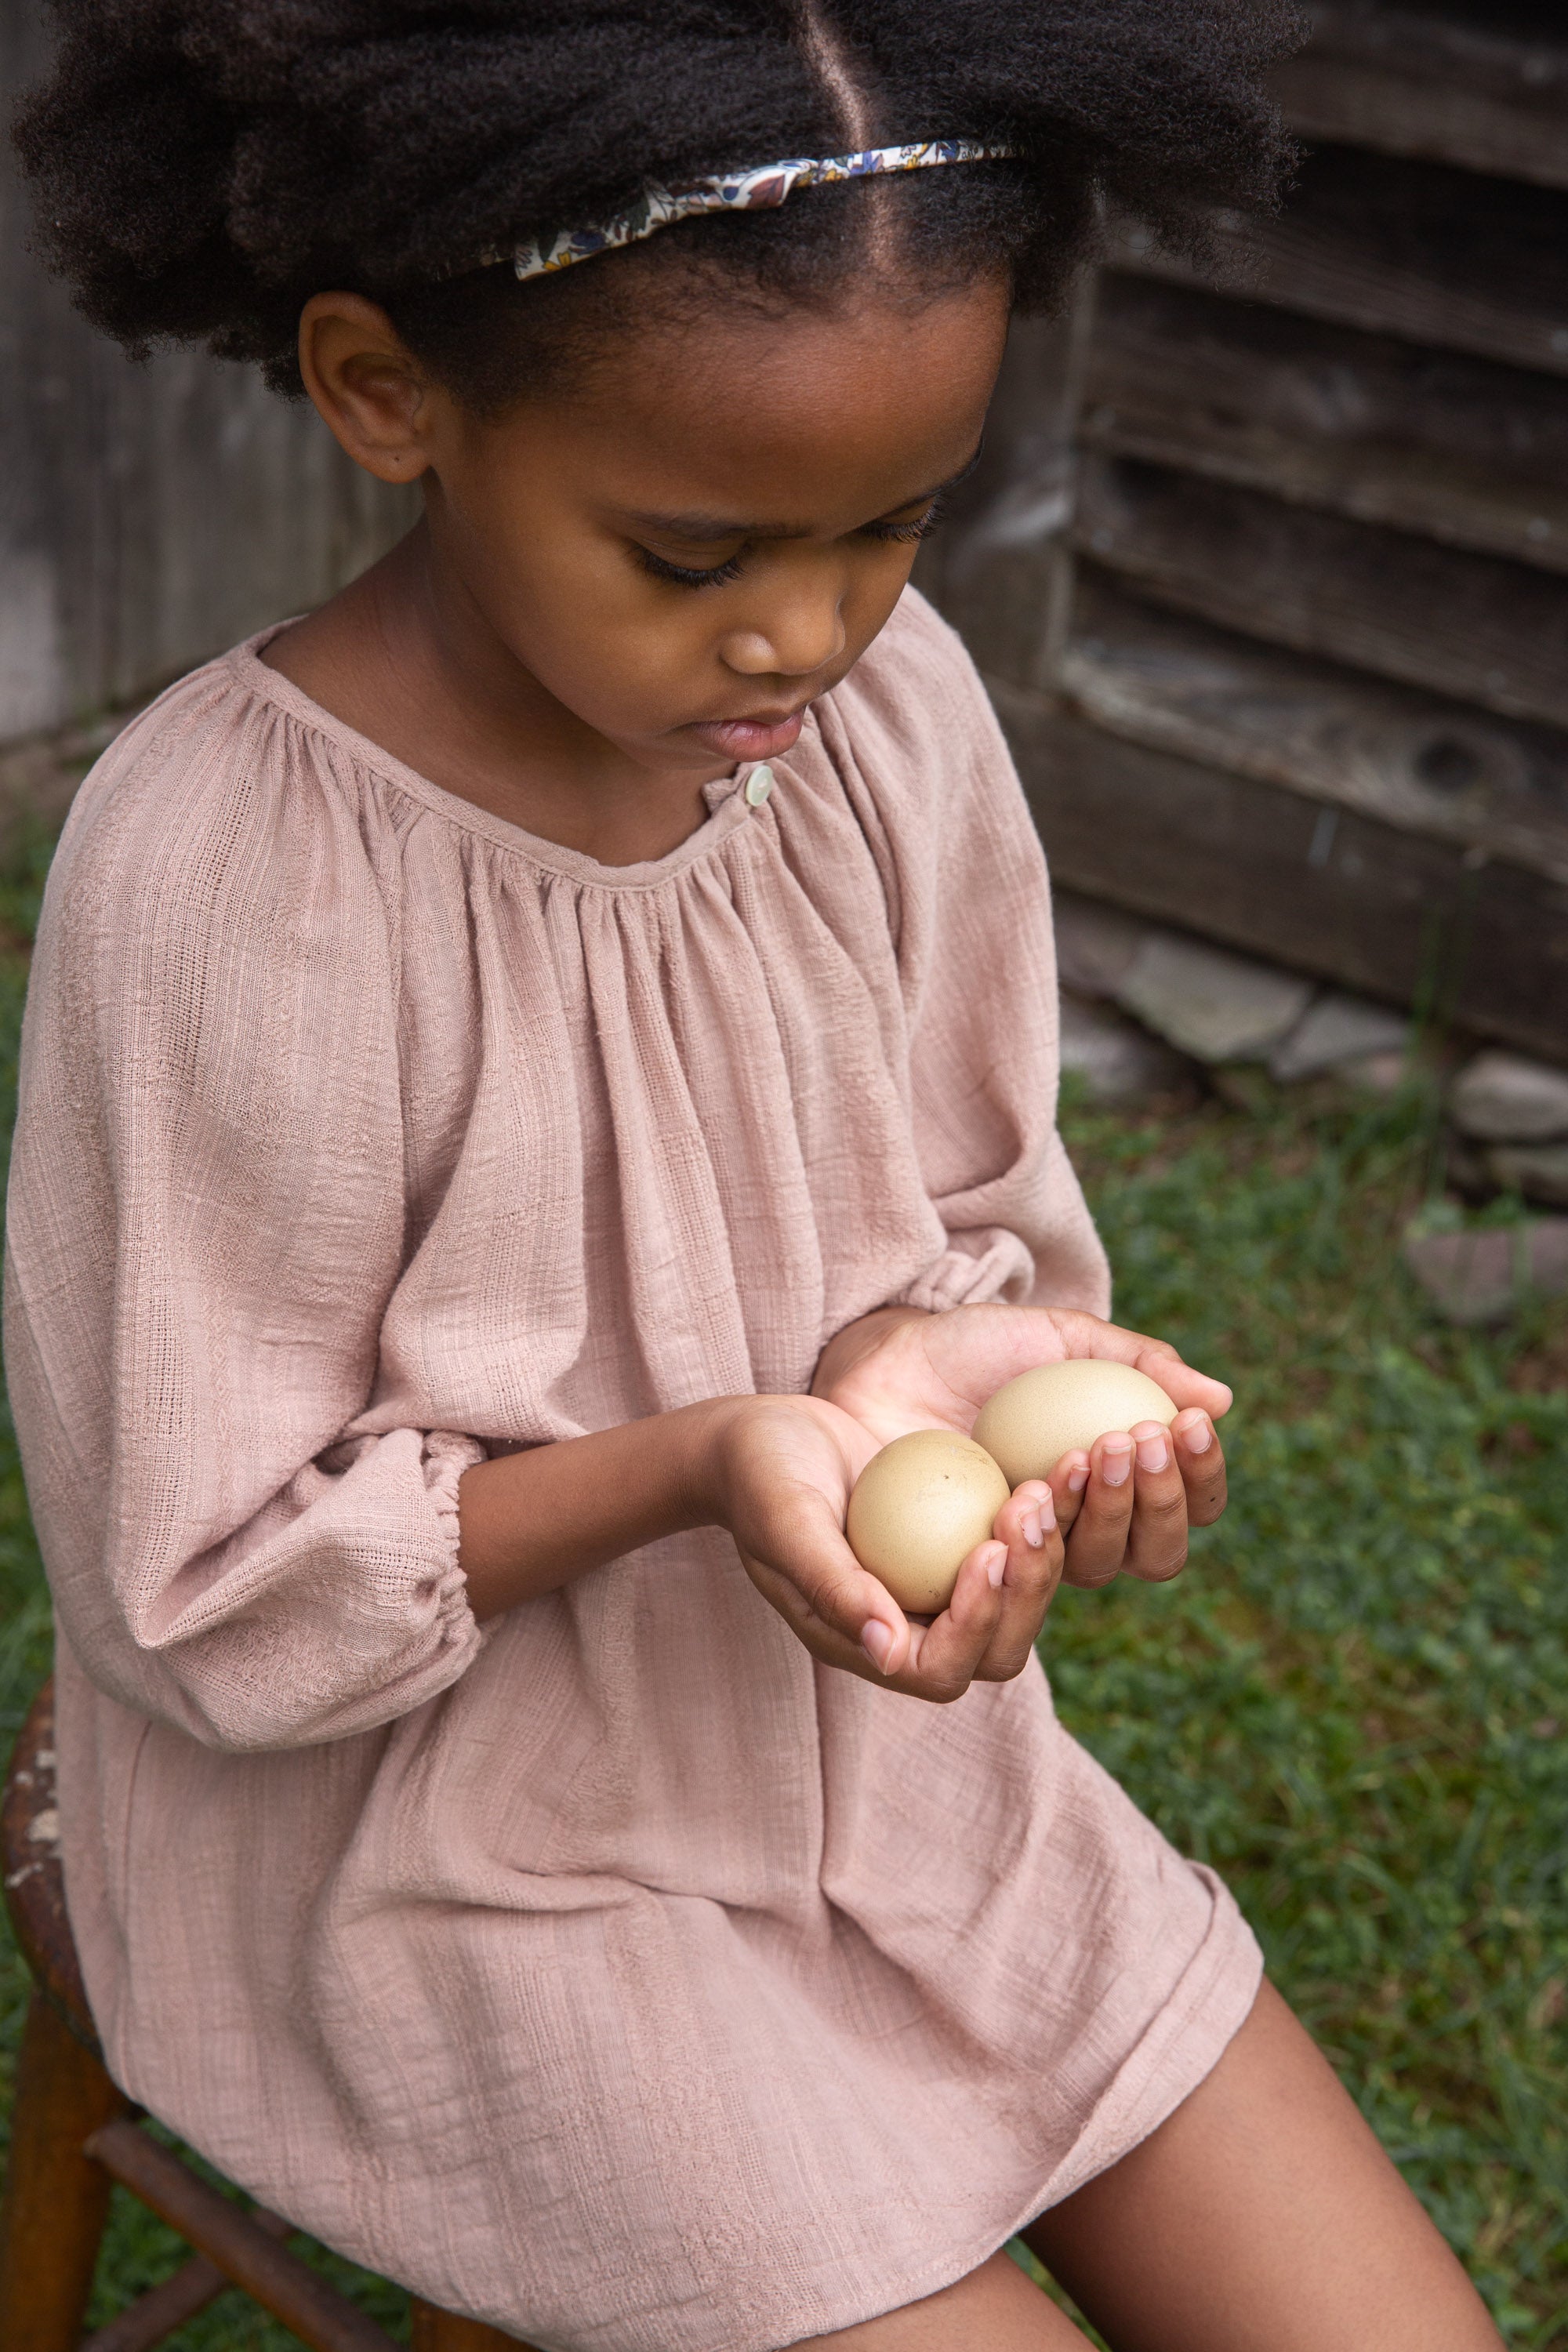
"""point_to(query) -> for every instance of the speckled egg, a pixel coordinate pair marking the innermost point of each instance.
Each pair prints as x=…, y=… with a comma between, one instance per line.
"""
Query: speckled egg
x=1058, y=1409
x=918, y=1511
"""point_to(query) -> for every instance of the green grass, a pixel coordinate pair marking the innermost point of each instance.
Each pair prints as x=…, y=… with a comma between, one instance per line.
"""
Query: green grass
x=1355, y=1704
x=1355, y=1701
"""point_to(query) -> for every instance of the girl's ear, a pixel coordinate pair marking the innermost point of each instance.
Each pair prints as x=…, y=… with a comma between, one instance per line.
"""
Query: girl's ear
x=367, y=385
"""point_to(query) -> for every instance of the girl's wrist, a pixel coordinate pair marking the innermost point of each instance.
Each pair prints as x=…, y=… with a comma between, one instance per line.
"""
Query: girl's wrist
x=700, y=1434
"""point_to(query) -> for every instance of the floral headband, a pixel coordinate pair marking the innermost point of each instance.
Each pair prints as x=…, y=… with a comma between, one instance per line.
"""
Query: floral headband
x=768, y=185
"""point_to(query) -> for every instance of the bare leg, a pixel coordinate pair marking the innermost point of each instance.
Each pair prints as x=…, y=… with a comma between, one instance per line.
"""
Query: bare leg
x=995, y=2309
x=1261, y=2216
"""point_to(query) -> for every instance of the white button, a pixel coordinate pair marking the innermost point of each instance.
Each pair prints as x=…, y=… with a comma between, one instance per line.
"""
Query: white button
x=759, y=785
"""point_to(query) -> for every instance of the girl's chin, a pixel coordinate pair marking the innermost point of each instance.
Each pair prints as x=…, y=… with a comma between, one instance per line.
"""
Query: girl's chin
x=747, y=739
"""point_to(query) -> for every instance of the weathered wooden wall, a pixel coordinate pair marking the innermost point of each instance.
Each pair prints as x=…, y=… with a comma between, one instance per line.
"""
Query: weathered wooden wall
x=1270, y=579
x=149, y=515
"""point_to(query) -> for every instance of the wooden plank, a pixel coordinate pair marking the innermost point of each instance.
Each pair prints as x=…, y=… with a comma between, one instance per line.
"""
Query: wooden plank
x=1437, y=256
x=1461, y=624
x=149, y=515
x=57, y=2199
x=34, y=1876
x=231, y=2237
x=1475, y=90
x=156, y=2314
x=1462, y=450
x=430, y=2330
x=1411, y=761
x=999, y=566
x=1326, y=891
x=1418, y=761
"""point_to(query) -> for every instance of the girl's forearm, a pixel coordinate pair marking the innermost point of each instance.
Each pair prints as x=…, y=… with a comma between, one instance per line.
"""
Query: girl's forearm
x=530, y=1522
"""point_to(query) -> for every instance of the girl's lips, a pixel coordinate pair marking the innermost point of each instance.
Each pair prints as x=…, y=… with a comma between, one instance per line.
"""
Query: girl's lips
x=749, y=739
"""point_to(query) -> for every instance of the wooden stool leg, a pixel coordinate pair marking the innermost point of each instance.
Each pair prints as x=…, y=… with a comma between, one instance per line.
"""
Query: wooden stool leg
x=57, y=2199
x=441, y=2331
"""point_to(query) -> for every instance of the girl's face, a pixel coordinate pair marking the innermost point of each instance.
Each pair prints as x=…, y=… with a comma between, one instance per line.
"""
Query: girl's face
x=706, y=532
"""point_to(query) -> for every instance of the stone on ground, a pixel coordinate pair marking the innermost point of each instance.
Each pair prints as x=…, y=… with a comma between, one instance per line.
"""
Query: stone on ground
x=1216, y=1006
x=1481, y=1276
x=1095, y=945
x=1335, y=1030
x=1119, y=1061
x=1539, y=1170
x=1504, y=1098
x=1374, y=1074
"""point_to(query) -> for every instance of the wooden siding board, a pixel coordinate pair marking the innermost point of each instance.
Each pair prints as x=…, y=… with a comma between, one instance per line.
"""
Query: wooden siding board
x=1313, y=698
x=999, y=567
x=150, y=514
x=1474, y=90
x=1420, y=762
x=1459, y=449
x=1458, y=624
x=1419, y=250
x=1328, y=891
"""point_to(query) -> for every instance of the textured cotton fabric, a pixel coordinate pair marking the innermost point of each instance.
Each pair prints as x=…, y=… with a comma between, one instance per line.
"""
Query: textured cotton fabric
x=616, y=1975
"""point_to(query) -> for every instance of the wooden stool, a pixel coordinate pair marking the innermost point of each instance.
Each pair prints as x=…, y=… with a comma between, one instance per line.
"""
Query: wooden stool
x=74, y=2134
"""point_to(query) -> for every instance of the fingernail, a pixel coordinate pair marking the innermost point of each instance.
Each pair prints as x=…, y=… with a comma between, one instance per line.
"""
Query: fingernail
x=996, y=1564
x=1030, y=1522
x=1153, y=1454
x=1077, y=1479
x=1116, y=1461
x=877, y=1641
x=1197, y=1436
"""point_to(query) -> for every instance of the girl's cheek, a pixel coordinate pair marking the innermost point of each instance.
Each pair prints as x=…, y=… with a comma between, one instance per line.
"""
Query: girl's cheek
x=622, y=670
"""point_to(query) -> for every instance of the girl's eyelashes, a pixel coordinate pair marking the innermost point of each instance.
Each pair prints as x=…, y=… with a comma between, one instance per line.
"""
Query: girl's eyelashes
x=921, y=527
x=683, y=576
x=718, y=576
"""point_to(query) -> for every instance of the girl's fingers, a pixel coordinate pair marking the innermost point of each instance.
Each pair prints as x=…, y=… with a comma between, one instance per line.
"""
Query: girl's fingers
x=1069, y=1481
x=1157, y=1537
x=1182, y=1384
x=945, y=1655
x=797, y=1554
x=1144, y=1490
x=1027, y=1524
x=1097, y=1544
x=935, y=1661
x=1086, y=1335
x=868, y=1633
x=1201, y=1460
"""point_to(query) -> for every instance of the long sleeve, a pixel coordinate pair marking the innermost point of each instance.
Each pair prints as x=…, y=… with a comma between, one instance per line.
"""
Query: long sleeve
x=969, y=902
x=206, y=1220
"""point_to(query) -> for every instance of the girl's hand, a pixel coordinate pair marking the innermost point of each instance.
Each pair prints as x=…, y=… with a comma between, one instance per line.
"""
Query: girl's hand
x=1129, y=1503
x=781, y=1468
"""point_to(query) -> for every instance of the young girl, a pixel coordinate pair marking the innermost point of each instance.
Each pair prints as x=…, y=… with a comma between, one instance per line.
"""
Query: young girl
x=532, y=1074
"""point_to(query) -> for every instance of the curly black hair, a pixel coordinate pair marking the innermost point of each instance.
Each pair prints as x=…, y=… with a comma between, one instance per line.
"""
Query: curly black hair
x=202, y=167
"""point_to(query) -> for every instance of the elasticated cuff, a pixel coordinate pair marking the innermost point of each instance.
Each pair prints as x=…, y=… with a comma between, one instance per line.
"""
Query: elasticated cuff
x=444, y=1457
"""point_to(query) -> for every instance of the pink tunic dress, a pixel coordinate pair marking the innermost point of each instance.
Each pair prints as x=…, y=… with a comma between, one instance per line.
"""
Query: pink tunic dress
x=615, y=1974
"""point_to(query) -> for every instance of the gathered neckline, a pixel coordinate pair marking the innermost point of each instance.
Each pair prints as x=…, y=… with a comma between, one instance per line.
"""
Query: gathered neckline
x=727, y=806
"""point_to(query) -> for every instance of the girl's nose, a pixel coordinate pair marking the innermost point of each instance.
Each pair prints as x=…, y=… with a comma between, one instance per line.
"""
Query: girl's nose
x=802, y=634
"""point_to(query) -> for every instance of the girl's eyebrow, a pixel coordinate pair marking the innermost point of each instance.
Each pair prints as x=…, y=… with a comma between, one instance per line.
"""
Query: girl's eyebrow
x=701, y=527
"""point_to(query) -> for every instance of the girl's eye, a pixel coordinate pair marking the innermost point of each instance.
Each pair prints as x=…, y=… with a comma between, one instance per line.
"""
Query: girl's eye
x=922, y=527
x=719, y=574
x=683, y=576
